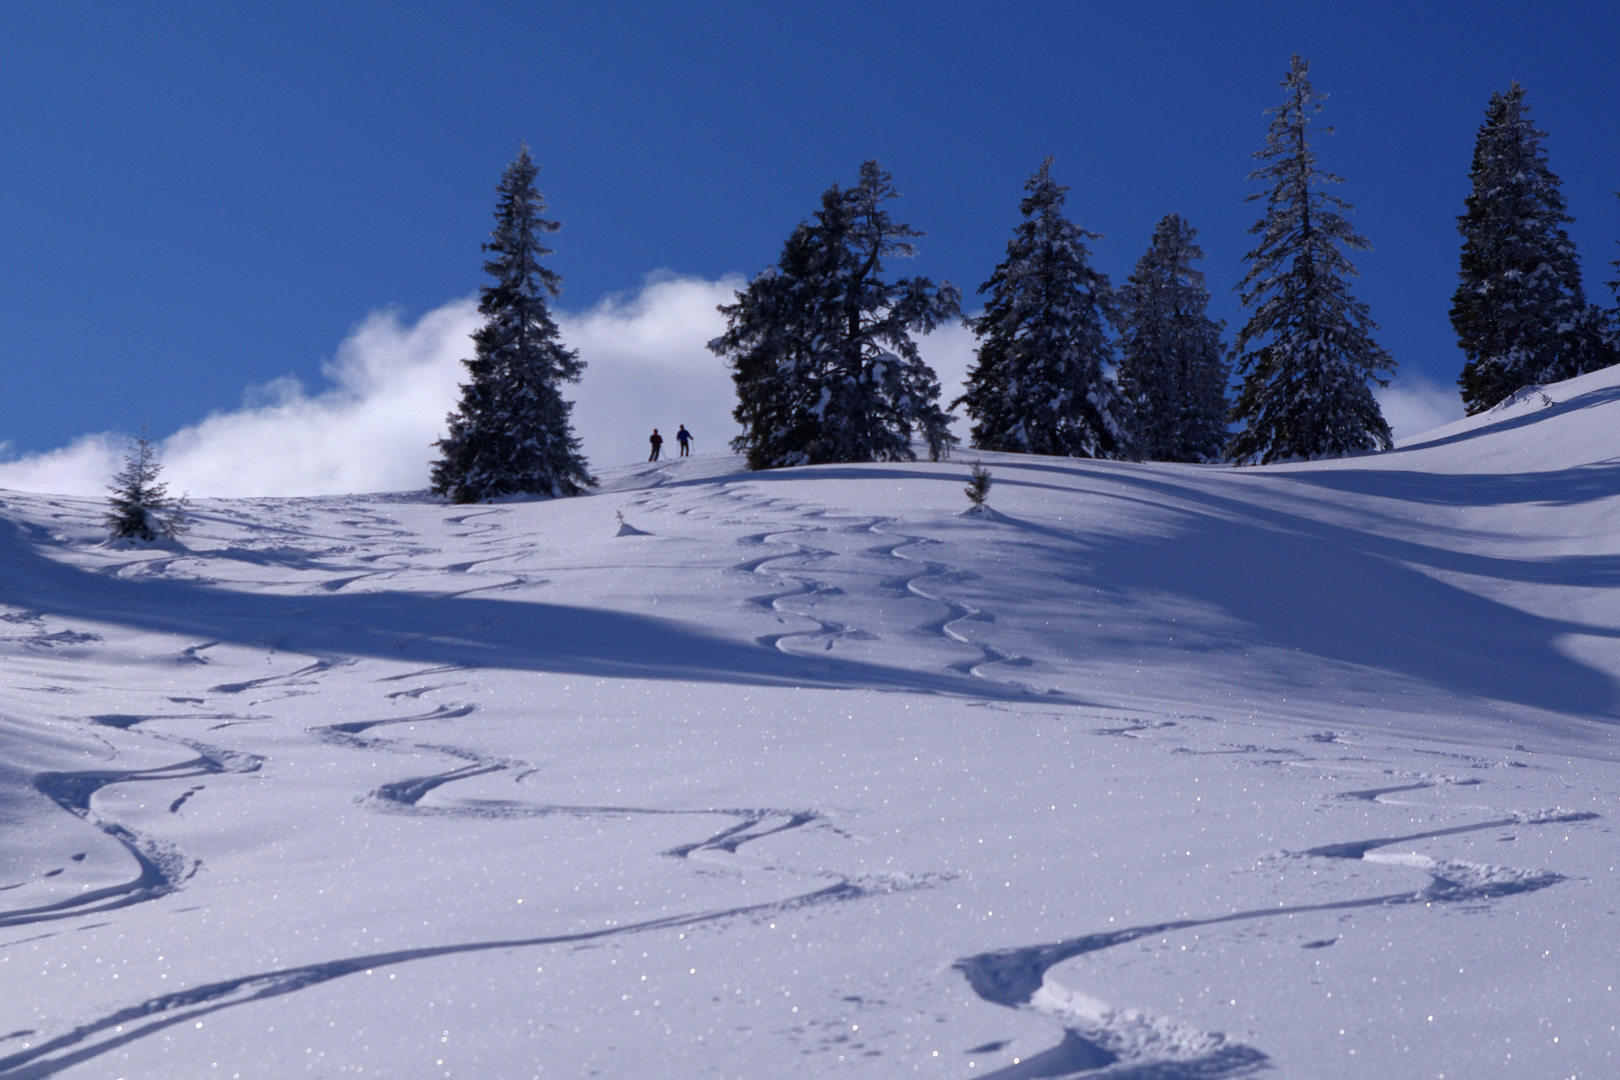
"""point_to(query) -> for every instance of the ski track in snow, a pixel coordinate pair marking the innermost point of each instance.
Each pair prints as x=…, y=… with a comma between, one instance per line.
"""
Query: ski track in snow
x=156, y=1014
x=1103, y=1041
x=789, y=566
x=956, y=613
x=162, y=870
x=1096, y=1039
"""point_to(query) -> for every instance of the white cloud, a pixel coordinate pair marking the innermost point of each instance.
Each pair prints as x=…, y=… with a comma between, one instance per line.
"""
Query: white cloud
x=649, y=367
x=372, y=429
x=391, y=384
x=372, y=426
x=83, y=467
x=949, y=351
x=1413, y=405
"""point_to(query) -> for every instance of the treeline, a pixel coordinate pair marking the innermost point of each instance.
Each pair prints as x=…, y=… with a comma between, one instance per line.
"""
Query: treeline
x=822, y=345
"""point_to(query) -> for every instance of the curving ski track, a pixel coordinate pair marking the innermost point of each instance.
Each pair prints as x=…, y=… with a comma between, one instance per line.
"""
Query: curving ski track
x=1018, y=977
x=1099, y=1043
x=156, y=1014
x=787, y=566
x=160, y=869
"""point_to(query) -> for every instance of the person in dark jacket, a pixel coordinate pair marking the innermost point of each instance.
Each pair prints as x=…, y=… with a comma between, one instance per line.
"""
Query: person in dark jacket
x=684, y=437
x=657, y=441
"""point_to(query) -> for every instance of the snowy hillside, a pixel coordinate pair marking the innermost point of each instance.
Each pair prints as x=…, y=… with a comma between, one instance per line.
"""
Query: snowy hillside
x=1154, y=771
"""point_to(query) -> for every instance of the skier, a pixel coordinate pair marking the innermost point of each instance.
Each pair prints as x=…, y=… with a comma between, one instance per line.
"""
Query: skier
x=684, y=437
x=657, y=441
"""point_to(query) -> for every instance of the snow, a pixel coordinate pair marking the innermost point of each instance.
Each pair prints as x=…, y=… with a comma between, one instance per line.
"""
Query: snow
x=1152, y=770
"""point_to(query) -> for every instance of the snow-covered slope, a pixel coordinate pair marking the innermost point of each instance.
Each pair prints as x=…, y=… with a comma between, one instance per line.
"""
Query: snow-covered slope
x=1153, y=771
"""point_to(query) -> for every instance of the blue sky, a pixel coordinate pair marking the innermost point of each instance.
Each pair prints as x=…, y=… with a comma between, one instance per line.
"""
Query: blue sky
x=201, y=198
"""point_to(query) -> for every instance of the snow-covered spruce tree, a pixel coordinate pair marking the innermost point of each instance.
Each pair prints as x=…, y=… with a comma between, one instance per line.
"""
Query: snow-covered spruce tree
x=1306, y=353
x=511, y=433
x=141, y=508
x=1041, y=382
x=978, y=487
x=1614, y=286
x=1613, y=332
x=821, y=347
x=1519, y=311
x=1172, y=367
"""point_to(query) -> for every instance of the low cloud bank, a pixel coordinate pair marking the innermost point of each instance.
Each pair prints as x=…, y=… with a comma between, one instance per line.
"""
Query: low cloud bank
x=389, y=387
x=387, y=390
x=391, y=384
x=650, y=367
x=1413, y=405
x=371, y=429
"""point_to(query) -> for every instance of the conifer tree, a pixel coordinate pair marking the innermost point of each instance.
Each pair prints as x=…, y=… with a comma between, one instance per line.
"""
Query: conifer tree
x=141, y=508
x=1172, y=367
x=1520, y=313
x=1306, y=353
x=1614, y=286
x=1614, y=313
x=1041, y=382
x=821, y=347
x=511, y=433
x=978, y=487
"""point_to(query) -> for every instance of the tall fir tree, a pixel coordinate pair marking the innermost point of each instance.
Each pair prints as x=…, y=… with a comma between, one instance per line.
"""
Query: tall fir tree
x=1614, y=312
x=1519, y=311
x=511, y=433
x=1307, y=353
x=821, y=346
x=1041, y=382
x=1172, y=369
x=1614, y=286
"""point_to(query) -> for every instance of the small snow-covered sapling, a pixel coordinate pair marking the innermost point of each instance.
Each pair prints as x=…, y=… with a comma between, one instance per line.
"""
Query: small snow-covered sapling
x=978, y=489
x=139, y=506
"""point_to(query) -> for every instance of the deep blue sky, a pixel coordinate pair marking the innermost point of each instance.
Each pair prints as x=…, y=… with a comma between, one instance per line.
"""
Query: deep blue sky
x=198, y=197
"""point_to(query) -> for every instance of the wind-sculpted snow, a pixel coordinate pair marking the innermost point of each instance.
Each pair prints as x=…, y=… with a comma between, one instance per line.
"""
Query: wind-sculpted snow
x=1149, y=771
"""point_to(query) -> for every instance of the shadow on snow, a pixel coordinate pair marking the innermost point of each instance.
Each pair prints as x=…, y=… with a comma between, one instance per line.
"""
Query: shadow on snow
x=448, y=629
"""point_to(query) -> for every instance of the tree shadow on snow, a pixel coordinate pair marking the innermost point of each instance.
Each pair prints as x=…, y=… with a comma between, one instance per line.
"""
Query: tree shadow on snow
x=1344, y=595
x=1332, y=591
x=1589, y=400
x=1557, y=487
x=449, y=629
